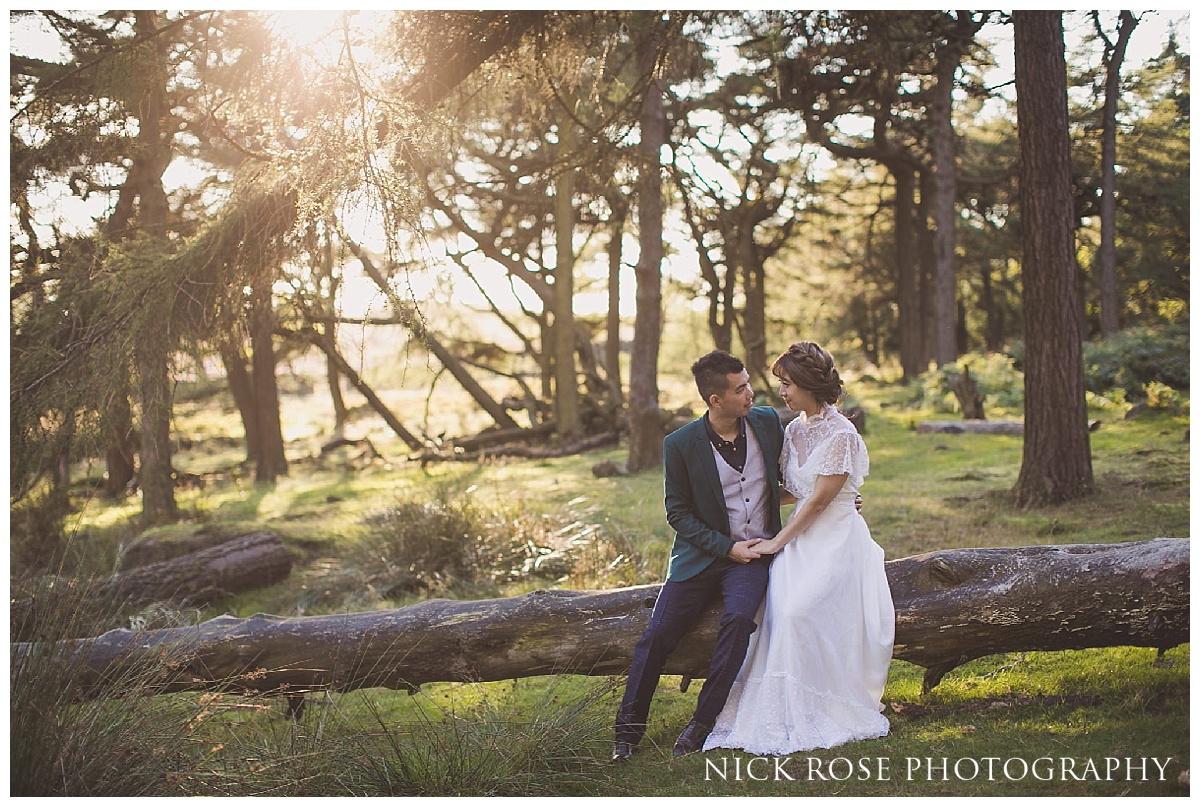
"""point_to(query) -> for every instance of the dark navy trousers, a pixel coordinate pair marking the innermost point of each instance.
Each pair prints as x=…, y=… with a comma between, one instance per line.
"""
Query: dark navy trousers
x=741, y=587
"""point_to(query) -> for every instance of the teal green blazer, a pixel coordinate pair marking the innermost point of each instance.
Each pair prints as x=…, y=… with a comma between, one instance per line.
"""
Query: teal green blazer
x=695, y=501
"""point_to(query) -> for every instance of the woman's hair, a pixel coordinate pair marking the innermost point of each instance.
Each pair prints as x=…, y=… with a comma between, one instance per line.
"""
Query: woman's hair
x=810, y=367
x=712, y=370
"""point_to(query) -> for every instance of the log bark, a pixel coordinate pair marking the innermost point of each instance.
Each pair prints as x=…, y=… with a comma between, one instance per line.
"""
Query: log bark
x=251, y=561
x=156, y=549
x=952, y=606
x=973, y=426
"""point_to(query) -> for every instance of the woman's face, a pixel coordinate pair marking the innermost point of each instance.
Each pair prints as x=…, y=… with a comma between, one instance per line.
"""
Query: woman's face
x=796, y=398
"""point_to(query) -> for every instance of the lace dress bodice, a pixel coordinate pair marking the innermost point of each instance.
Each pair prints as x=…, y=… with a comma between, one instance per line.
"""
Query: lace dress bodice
x=825, y=444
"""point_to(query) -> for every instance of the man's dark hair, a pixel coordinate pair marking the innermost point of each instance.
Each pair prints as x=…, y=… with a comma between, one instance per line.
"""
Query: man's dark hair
x=711, y=371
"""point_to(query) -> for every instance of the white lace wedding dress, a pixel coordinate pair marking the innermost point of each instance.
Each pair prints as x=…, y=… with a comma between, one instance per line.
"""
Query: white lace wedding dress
x=816, y=667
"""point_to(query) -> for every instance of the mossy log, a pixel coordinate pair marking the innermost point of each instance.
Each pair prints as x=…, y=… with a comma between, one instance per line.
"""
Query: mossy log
x=248, y=562
x=232, y=566
x=951, y=606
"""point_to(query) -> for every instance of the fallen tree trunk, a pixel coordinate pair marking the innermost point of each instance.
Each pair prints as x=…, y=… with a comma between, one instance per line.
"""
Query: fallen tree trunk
x=957, y=605
x=327, y=346
x=495, y=437
x=981, y=426
x=241, y=564
x=972, y=426
x=951, y=606
x=565, y=450
x=523, y=451
x=252, y=561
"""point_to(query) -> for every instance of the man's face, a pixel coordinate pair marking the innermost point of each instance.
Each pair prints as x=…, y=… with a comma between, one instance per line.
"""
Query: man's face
x=738, y=396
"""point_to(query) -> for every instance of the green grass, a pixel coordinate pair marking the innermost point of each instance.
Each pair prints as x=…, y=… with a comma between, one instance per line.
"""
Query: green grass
x=1116, y=703
x=925, y=492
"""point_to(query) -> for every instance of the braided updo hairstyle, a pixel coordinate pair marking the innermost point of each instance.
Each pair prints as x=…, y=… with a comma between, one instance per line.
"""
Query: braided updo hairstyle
x=810, y=367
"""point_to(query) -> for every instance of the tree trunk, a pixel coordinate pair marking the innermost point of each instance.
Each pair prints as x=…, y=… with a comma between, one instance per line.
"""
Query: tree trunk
x=566, y=381
x=495, y=437
x=943, y=206
x=242, y=389
x=645, y=426
x=754, y=285
x=956, y=605
x=1106, y=258
x=341, y=415
x=1057, y=461
x=272, y=462
x=720, y=287
x=612, y=345
x=242, y=564
x=908, y=291
x=119, y=452
x=928, y=264
x=514, y=448
x=155, y=473
x=952, y=606
x=155, y=339
x=993, y=312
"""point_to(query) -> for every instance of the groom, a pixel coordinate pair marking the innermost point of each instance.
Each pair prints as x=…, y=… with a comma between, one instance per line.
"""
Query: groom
x=722, y=497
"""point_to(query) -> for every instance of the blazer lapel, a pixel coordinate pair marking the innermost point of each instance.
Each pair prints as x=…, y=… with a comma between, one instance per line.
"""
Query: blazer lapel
x=704, y=461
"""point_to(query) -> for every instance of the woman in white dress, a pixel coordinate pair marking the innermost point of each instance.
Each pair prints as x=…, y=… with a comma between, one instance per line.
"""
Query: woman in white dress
x=816, y=667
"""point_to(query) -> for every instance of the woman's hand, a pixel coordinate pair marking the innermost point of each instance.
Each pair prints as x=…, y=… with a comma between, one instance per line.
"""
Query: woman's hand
x=768, y=547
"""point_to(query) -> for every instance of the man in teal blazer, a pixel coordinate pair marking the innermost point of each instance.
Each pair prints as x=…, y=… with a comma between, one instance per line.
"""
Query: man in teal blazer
x=721, y=480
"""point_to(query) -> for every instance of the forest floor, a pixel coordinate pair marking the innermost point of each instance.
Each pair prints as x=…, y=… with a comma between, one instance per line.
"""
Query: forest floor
x=1093, y=722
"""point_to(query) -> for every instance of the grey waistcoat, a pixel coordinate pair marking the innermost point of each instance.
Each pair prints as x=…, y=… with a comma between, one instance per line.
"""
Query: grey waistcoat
x=746, y=497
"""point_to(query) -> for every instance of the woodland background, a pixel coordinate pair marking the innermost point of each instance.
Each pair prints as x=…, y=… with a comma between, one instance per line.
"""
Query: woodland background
x=846, y=177
x=273, y=269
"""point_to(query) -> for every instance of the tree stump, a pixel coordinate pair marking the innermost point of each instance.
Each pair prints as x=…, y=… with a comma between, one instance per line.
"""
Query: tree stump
x=970, y=399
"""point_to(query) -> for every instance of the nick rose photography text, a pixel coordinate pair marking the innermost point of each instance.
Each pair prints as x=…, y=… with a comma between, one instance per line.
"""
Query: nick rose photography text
x=937, y=769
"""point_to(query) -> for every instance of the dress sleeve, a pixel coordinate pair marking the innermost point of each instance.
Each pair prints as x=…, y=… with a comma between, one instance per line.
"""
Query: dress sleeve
x=844, y=453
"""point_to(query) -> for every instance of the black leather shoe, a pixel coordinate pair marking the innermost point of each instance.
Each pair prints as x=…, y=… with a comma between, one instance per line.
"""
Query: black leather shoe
x=692, y=739
x=622, y=751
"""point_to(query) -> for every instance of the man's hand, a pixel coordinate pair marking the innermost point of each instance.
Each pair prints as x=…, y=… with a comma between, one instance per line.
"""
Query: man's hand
x=744, y=551
x=858, y=502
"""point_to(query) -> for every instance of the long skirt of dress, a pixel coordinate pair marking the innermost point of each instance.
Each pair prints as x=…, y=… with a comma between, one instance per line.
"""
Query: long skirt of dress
x=816, y=667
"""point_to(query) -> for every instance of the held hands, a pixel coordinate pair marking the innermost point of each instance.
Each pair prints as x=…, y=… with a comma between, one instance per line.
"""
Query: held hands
x=769, y=547
x=745, y=551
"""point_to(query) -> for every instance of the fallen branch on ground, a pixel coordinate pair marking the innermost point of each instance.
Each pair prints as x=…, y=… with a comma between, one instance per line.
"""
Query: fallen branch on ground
x=251, y=561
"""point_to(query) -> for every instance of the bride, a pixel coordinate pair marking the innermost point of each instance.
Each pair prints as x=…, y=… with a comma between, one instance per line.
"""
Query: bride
x=816, y=667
